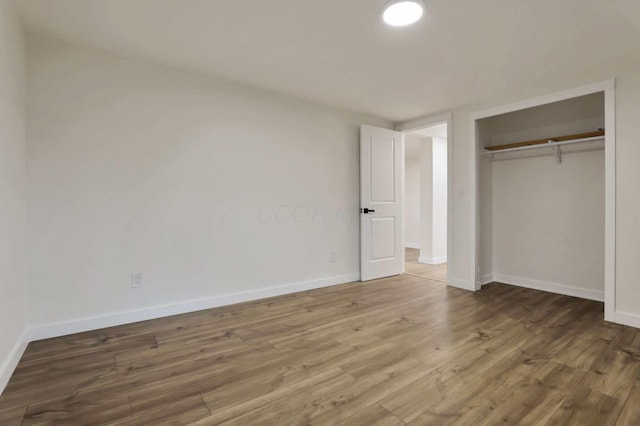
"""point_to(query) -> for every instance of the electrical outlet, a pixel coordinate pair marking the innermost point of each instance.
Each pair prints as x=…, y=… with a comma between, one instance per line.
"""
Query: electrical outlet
x=332, y=257
x=136, y=280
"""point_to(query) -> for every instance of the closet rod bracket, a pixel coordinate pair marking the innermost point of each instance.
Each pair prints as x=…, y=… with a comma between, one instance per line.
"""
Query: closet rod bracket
x=556, y=152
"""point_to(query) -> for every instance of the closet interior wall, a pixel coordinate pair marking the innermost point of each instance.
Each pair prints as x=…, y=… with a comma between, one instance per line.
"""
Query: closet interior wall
x=542, y=223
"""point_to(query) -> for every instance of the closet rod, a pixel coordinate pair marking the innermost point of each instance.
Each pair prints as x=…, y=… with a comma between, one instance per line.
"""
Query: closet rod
x=551, y=143
x=599, y=132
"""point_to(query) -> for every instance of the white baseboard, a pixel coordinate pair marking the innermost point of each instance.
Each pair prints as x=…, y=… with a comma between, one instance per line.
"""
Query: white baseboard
x=45, y=331
x=632, y=320
x=412, y=245
x=486, y=279
x=57, y=329
x=9, y=364
x=432, y=260
x=63, y=328
x=463, y=284
x=550, y=287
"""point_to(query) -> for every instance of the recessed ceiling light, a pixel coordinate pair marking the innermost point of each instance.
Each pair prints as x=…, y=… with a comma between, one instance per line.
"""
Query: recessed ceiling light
x=399, y=13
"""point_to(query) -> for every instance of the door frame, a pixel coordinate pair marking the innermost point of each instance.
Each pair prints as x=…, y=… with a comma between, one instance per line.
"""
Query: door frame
x=608, y=88
x=422, y=123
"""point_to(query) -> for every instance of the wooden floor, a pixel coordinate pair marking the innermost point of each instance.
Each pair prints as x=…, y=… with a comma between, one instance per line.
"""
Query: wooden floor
x=413, y=267
x=389, y=352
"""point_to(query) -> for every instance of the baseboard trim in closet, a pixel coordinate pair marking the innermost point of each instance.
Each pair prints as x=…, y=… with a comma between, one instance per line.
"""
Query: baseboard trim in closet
x=566, y=290
x=486, y=279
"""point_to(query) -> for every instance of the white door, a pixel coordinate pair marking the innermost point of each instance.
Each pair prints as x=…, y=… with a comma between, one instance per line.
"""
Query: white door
x=381, y=166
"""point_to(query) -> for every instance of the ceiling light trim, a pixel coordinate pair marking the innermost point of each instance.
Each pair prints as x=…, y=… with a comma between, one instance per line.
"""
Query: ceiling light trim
x=402, y=13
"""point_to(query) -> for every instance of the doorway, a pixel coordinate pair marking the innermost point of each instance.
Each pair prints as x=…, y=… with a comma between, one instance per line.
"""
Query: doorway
x=382, y=200
x=425, y=201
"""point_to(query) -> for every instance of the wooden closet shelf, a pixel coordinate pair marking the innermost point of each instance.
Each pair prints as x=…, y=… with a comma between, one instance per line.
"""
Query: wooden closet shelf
x=600, y=132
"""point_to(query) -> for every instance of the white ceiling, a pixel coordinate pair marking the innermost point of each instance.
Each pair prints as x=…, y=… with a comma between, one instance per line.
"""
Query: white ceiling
x=338, y=52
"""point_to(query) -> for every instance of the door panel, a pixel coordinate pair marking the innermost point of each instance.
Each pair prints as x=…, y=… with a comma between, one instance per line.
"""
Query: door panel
x=381, y=168
x=383, y=232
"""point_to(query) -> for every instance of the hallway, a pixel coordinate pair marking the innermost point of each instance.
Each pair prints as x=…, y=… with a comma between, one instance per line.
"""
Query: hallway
x=432, y=272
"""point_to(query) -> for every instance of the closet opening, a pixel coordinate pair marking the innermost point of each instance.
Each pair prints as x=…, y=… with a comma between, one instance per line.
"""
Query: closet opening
x=545, y=195
x=426, y=201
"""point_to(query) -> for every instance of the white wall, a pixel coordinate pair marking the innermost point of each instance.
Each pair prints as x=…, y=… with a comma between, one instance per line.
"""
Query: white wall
x=485, y=206
x=439, y=199
x=426, y=200
x=577, y=115
x=412, y=193
x=206, y=188
x=433, y=165
x=627, y=193
x=546, y=220
x=13, y=273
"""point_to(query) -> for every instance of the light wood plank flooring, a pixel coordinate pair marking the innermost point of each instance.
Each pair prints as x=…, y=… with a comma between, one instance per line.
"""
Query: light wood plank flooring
x=413, y=267
x=403, y=350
